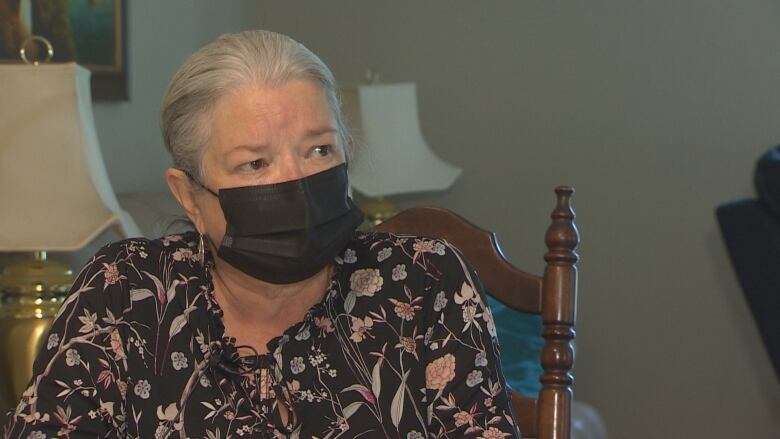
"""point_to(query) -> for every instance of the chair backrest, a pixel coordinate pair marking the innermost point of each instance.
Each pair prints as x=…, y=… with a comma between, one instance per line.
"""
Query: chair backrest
x=553, y=295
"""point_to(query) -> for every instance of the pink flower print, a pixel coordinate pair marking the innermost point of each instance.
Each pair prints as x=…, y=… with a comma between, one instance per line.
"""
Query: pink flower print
x=366, y=282
x=403, y=310
x=408, y=344
x=325, y=324
x=493, y=433
x=116, y=346
x=440, y=372
x=35, y=417
x=68, y=427
x=182, y=254
x=423, y=246
x=122, y=388
x=293, y=386
x=360, y=328
x=463, y=418
x=111, y=274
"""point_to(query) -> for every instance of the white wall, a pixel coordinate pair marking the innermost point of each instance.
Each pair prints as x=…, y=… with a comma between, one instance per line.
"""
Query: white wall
x=656, y=112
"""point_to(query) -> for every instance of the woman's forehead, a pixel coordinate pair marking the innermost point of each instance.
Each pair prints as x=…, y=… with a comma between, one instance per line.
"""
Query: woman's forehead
x=267, y=116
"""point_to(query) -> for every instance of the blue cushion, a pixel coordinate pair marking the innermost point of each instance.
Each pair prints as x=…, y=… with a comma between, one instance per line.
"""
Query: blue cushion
x=519, y=335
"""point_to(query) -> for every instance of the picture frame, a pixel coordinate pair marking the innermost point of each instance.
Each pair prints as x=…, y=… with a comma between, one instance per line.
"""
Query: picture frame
x=92, y=33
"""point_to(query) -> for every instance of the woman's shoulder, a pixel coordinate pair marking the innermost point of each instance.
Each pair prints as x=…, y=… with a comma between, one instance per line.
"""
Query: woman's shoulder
x=127, y=259
x=141, y=248
x=108, y=279
x=402, y=262
x=374, y=246
x=371, y=238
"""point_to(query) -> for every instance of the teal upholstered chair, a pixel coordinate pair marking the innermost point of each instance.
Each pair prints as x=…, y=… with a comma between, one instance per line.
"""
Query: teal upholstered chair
x=520, y=337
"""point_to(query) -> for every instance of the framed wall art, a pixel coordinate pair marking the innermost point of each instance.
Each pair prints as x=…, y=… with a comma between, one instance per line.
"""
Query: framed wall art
x=89, y=32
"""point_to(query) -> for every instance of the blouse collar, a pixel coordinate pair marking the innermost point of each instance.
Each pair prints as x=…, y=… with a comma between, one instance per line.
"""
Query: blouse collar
x=207, y=323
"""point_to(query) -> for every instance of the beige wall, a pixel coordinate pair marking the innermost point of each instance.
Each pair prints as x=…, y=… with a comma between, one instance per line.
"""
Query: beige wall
x=160, y=36
x=655, y=111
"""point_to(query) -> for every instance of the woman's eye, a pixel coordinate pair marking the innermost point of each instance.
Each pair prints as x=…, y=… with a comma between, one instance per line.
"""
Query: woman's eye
x=254, y=165
x=323, y=150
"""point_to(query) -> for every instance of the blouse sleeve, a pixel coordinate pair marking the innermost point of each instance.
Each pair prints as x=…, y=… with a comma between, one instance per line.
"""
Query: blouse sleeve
x=78, y=379
x=465, y=387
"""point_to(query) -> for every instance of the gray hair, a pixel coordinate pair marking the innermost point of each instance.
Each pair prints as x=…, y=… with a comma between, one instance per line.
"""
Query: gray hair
x=233, y=61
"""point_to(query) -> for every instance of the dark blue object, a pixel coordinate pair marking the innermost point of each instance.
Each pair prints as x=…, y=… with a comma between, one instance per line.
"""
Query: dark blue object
x=751, y=231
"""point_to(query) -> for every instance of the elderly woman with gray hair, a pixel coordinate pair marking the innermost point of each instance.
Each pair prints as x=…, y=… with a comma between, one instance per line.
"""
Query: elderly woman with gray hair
x=275, y=317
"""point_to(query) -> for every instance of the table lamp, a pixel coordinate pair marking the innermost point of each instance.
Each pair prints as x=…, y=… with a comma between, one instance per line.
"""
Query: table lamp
x=393, y=157
x=54, y=196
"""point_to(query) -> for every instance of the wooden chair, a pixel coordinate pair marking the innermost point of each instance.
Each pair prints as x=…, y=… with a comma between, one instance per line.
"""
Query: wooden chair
x=553, y=295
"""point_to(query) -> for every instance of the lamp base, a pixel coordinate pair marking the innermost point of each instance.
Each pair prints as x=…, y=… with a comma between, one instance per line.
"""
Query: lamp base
x=377, y=210
x=35, y=277
x=31, y=292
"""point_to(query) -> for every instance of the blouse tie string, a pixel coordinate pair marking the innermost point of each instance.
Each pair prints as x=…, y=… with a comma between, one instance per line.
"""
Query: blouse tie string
x=234, y=367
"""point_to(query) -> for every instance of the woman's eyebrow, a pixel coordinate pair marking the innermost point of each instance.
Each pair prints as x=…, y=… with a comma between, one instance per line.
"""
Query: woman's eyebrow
x=316, y=132
x=308, y=134
x=252, y=148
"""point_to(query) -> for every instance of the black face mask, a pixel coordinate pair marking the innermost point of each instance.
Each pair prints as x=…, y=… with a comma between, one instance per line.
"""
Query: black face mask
x=287, y=232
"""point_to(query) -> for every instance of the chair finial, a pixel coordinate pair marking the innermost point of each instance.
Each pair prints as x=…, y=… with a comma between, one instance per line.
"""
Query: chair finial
x=559, y=298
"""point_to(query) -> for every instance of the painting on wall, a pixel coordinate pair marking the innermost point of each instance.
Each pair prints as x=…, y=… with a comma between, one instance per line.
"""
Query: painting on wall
x=89, y=32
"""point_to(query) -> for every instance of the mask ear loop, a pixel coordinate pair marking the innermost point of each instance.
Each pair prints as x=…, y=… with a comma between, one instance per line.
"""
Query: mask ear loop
x=196, y=181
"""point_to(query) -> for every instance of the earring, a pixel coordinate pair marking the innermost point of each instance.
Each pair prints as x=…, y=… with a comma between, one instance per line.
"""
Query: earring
x=201, y=251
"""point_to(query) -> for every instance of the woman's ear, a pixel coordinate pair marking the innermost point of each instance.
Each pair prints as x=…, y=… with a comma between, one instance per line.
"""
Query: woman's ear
x=181, y=188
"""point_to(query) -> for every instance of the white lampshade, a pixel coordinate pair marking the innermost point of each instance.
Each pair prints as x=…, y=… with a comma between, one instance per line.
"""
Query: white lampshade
x=393, y=157
x=54, y=191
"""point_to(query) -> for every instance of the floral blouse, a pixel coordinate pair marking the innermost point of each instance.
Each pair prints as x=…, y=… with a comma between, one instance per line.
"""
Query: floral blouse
x=401, y=346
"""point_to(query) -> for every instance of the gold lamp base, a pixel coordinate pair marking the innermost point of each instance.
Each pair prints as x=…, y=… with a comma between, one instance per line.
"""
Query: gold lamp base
x=377, y=210
x=31, y=292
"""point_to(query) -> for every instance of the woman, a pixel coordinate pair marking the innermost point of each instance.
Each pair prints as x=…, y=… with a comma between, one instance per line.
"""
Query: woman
x=275, y=318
